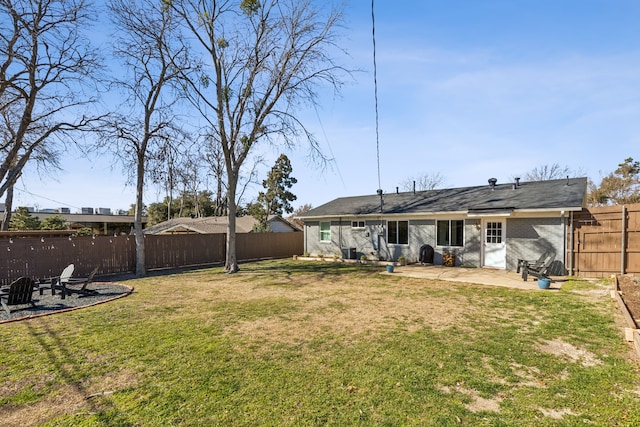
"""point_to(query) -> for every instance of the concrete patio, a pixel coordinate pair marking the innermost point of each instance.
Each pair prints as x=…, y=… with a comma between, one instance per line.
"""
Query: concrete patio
x=484, y=276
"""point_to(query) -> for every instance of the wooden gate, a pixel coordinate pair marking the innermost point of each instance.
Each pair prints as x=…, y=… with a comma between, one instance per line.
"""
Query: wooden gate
x=605, y=241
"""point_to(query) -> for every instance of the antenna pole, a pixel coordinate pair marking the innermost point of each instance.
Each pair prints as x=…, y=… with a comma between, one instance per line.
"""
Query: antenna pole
x=375, y=92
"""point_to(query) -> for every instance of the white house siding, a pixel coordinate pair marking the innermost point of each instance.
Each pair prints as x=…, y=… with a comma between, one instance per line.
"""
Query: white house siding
x=528, y=238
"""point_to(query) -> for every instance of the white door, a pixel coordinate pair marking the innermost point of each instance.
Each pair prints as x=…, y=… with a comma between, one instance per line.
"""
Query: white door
x=495, y=248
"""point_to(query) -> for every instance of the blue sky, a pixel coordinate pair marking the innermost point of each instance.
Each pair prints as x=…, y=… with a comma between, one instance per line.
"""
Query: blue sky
x=469, y=89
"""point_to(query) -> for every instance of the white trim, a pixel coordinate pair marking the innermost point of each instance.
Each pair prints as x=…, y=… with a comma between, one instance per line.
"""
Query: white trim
x=451, y=214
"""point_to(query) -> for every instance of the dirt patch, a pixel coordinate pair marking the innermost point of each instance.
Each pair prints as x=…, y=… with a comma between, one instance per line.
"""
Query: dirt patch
x=561, y=348
x=556, y=414
x=477, y=403
x=630, y=289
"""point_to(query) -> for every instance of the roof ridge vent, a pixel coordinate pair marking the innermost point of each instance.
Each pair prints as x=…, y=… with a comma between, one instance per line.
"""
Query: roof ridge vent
x=492, y=183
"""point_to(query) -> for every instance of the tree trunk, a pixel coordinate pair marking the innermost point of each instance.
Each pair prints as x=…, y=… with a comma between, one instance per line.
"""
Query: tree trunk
x=231, y=264
x=8, y=206
x=141, y=269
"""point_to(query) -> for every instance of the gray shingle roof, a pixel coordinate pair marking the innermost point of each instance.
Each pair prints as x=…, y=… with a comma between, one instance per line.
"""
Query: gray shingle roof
x=210, y=225
x=556, y=194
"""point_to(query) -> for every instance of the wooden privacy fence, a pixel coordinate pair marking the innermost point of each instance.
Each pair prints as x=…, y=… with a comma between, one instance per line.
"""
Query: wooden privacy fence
x=605, y=241
x=47, y=256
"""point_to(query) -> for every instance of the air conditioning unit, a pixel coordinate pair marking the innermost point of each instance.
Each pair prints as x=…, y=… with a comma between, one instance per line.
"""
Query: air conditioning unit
x=87, y=211
x=64, y=210
x=104, y=211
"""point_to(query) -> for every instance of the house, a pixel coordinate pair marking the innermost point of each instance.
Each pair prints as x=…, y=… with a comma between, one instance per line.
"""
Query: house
x=103, y=222
x=492, y=225
x=217, y=224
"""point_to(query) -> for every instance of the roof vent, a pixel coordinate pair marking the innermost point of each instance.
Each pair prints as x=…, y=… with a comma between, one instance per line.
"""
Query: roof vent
x=517, y=179
x=492, y=183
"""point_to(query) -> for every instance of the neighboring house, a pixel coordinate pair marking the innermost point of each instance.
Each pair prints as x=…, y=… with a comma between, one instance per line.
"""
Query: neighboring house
x=217, y=224
x=485, y=226
x=106, y=224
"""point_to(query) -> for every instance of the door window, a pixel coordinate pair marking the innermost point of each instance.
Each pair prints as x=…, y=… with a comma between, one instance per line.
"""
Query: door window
x=494, y=232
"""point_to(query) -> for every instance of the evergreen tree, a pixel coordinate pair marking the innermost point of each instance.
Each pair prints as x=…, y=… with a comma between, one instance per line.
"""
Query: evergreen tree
x=22, y=220
x=55, y=222
x=621, y=186
x=276, y=199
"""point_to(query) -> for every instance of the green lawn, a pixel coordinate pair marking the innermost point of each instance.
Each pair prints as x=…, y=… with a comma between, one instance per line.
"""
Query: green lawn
x=292, y=343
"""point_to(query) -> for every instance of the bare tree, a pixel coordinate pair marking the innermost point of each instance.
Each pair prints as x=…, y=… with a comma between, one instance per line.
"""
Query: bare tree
x=549, y=172
x=45, y=65
x=148, y=124
x=426, y=181
x=263, y=60
x=215, y=159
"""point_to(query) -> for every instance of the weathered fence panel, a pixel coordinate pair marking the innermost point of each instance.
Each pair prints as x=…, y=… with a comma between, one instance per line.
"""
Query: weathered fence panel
x=606, y=241
x=170, y=251
x=47, y=256
x=268, y=245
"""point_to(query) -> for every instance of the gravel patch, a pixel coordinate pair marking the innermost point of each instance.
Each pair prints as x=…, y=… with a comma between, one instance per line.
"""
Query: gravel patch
x=100, y=292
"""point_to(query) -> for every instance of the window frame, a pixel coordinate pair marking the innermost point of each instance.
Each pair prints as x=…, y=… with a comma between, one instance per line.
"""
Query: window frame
x=325, y=233
x=451, y=231
x=359, y=224
x=401, y=233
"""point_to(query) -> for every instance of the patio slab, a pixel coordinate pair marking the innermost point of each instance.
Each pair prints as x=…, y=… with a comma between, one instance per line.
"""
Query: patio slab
x=483, y=276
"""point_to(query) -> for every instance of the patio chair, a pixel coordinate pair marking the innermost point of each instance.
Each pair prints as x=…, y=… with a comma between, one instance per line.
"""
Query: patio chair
x=19, y=292
x=79, y=284
x=532, y=263
x=538, y=269
x=57, y=282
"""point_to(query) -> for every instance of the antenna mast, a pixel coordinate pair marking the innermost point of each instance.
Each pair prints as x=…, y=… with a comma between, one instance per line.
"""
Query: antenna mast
x=375, y=92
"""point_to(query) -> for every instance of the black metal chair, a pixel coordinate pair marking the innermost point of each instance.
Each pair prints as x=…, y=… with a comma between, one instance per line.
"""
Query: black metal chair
x=19, y=292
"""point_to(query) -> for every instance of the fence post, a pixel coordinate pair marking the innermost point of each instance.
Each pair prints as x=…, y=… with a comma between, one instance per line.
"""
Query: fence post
x=623, y=234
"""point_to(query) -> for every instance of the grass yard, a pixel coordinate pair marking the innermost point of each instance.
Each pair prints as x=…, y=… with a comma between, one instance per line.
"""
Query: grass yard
x=293, y=343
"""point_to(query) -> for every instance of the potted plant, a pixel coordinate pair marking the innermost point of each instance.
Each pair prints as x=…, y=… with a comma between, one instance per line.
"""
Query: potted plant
x=402, y=260
x=544, y=282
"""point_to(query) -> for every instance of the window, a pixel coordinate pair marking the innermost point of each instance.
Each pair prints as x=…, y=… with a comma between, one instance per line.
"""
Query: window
x=357, y=224
x=494, y=232
x=325, y=231
x=398, y=232
x=450, y=233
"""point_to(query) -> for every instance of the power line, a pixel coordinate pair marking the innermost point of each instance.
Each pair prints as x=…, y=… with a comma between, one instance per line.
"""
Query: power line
x=45, y=198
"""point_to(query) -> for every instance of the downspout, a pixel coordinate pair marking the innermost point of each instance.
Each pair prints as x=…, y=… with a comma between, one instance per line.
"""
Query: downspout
x=306, y=233
x=340, y=235
x=571, y=245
